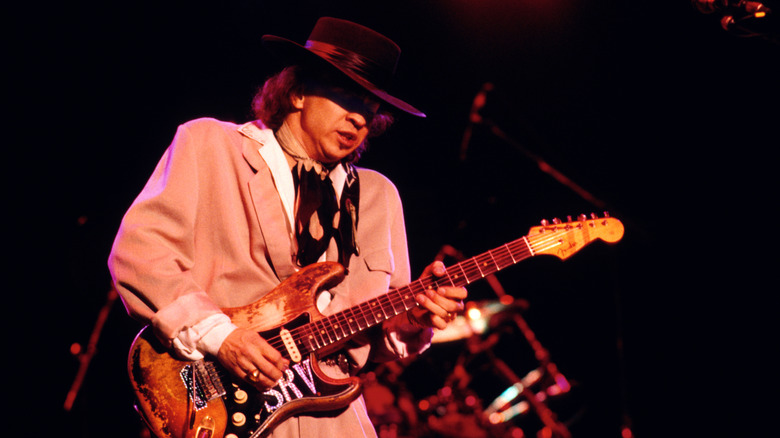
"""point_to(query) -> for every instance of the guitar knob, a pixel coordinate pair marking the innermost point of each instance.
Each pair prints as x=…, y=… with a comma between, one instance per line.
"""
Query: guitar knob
x=231, y=435
x=556, y=221
x=239, y=419
x=583, y=217
x=240, y=396
x=545, y=222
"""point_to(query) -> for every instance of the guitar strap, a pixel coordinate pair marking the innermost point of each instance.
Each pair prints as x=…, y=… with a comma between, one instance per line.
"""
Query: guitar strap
x=346, y=238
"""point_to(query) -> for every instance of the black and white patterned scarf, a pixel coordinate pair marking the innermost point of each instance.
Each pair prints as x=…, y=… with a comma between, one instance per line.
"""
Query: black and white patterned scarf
x=319, y=217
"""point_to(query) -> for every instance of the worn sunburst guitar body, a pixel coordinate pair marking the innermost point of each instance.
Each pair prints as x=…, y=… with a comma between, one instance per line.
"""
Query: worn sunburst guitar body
x=198, y=399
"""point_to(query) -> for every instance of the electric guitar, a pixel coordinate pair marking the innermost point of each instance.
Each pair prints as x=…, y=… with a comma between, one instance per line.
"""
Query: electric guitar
x=199, y=399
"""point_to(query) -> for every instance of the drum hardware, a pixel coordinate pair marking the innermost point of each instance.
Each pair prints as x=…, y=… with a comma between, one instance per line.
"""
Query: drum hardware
x=531, y=399
x=501, y=408
x=478, y=318
x=455, y=410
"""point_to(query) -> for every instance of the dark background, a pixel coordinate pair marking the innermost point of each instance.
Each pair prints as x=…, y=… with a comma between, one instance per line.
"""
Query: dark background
x=663, y=116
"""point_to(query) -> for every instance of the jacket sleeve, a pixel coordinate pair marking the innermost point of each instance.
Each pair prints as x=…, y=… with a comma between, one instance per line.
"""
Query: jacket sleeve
x=152, y=255
x=400, y=339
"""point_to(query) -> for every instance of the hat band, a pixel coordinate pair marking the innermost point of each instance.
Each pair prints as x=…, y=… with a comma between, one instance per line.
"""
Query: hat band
x=365, y=68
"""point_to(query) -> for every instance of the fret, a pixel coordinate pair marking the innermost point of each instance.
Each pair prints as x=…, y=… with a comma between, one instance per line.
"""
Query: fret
x=488, y=264
x=333, y=327
x=406, y=296
x=407, y=299
x=502, y=258
x=392, y=306
x=382, y=308
x=378, y=311
x=344, y=324
x=309, y=340
x=479, y=268
x=323, y=330
x=399, y=302
x=425, y=284
x=446, y=279
x=473, y=262
x=386, y=307
x=398, y=299
x=373, y=307
x=365, y=311
x=490, y=253
x=510, y=253
x=361, y=314
x=337, y=328
x=351, y=321
x=312, y=336
x=463, y=274
x=528, y=244
x=327, y=329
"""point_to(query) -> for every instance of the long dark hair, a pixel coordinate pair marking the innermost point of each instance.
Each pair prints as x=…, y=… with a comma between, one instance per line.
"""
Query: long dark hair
x=272, y=103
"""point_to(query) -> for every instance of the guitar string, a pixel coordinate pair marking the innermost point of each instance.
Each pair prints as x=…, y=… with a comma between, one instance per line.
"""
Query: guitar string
x=542, y=243
x=505, y=255
x=339, y=320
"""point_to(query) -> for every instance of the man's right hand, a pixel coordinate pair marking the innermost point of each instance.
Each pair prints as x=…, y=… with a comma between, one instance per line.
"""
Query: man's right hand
x=247, y=355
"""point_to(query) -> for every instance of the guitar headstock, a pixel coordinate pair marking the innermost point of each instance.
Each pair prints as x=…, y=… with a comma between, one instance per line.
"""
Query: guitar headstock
x=563, y=239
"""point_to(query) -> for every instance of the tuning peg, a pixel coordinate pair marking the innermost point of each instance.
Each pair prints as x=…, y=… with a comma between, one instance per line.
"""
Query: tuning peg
x=545, y=222
x=583, y=217
x=606, y=214
x=593, y=216
x=556, y=221
x=568, y=218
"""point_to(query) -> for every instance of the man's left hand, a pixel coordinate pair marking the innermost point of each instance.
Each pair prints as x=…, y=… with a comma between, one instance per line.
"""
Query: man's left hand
x=437, y=306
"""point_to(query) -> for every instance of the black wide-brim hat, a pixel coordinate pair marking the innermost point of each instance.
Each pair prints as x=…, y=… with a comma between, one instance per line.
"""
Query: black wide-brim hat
x=366, y=57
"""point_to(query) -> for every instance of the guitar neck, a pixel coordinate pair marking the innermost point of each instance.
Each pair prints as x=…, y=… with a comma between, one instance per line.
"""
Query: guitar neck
x=329, y=330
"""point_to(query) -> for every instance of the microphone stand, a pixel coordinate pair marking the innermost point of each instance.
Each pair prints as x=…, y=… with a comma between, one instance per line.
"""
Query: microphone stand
x=542, y=164
x=86, y=356
x=545, y=414
x=543, y=356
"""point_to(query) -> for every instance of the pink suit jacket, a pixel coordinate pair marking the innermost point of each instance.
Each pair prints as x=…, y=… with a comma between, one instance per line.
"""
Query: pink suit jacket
x=209, y=231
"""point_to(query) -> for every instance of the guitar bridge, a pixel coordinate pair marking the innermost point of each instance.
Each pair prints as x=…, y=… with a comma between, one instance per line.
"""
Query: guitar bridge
x=202, y=382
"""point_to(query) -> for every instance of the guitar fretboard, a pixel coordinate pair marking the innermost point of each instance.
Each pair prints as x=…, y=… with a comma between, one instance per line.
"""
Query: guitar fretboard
x=341, y=325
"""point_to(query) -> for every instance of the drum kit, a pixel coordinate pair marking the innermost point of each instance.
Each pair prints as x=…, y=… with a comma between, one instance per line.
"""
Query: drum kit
x=466, y=386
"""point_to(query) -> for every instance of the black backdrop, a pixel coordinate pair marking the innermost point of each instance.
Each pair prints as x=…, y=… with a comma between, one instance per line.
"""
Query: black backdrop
x=653, y=108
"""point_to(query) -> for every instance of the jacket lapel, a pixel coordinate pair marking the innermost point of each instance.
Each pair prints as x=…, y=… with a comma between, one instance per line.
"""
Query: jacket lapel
x=266, y=202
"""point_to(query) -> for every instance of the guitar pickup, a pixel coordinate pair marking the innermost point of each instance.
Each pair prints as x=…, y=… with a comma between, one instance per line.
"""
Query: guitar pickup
x=289, y=344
